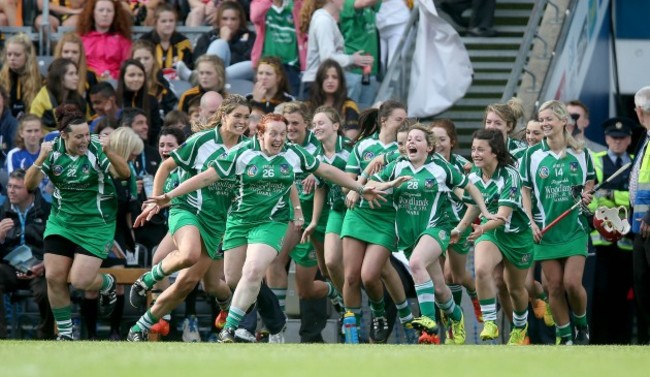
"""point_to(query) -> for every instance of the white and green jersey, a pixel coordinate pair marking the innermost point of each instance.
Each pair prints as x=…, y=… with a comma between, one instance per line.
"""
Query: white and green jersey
x=263, y=182
x=503, y=189
x=84, y=194
x=311, y=145
x=458, y=207
x=514, y=144
x=518, y=155
x=174, y=180
x=280, y=37
x=422, y=202
x=362, y=154
x=211, y=202
x=551, y=179
x=335, y=196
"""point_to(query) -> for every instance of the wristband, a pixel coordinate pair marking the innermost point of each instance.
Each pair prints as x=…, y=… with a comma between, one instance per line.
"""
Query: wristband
x=299, y=219
x=364, y=175
x=298, y=207
x=39, y=167
x=360, y=189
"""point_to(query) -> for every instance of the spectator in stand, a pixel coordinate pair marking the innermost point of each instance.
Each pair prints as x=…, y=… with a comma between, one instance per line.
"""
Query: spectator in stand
x=158, y=86
x=193, y=110
x=277, y=24
x=62, y=13
x=201, y=12
x=392, y=17
x=132, y=92
x=8, y=126
x=271, y=85
x=358, y=26
x=28, y=144
x=171, y=47
x=325, y=41
x=105, y=127
x=142, y=11
x=60, y=87
x=23, y=222
x=230, y=40
x=580, y=116
x=106, y=32
x=211, y=76
x=70, y=46
x=20, y=74
x=330, y=89
x=104, y=102
x=208, y=106
x=9, y=14
x=481, y=23
x=177, y=119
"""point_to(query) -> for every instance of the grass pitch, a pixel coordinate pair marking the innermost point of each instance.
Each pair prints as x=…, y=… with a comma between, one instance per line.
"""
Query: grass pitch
x=98, y=359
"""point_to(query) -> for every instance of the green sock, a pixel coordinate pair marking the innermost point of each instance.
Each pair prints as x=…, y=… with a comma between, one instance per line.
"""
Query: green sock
x=357, y=313
x=451, y=309
x=564, y=331
x=281, y=294
x=426, y=295
x=63, y=318
x=155, y=275
x=332, y=293
x=489, y=309
x=404, y=312
x=580, y=320
x=543, y=296
x=520, y=318
x=456, y=292
x=471, y=293
x=235, y=316
x=145, y=322
x=377, y=308
x=107, y=282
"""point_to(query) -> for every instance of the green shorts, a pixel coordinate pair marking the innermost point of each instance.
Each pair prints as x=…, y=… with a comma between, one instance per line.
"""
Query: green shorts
x=463, y=246
x=517, y=248
x=335, y=222
x=96, y=239
x=304, y=254
x=269, y=233
x=375, y=227
x=440, y=234
x=577, y=246
x=211, y=233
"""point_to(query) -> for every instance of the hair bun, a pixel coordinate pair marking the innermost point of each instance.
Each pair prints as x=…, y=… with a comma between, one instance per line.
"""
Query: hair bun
x=66, y=114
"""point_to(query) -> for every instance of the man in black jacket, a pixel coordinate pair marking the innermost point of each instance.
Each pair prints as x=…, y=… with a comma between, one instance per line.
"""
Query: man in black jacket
x=23, y=218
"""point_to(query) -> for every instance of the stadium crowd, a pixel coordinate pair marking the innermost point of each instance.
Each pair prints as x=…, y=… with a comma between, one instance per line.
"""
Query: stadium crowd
x=104, y=153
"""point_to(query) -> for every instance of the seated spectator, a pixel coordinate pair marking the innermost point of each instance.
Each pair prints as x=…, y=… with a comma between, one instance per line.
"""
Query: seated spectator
x=62, y=12
x=61, y=87
x=8, y=126
x=201, y=12
x=132, y=92
x=157, y=84
x=136, y=119
x=106, y=32
x=330, y=89
x=70, y=46
x=271, y=85
x=230, y=40
x=171, y=47
x=142, y=11
x=277, y=24
x=211, y=76
x=194, y=108
x=19, y=74
x=28, y=144
x=104, y=102
x=23, y=222
x=208, y=106
x=177, y=119
x=9, y=13
x=105, y=127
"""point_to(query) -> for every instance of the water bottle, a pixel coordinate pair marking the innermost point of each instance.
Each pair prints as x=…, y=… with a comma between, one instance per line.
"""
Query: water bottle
x=350, y=328
x=365, y=76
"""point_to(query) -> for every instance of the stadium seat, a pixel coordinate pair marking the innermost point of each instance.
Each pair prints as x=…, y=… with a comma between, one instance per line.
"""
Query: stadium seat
x=193, y=33
x=179, y=87
x=44, y=63
x=243, y=87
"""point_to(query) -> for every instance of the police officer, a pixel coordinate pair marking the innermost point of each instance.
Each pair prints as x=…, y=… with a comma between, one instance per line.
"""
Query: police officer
x=613, y=279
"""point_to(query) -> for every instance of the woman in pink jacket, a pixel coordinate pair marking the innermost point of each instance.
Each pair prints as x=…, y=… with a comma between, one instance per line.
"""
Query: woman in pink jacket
x=274, y=42
x=105, y=28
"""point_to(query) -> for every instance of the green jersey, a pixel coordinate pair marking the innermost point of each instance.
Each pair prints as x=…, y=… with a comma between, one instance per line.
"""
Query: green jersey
x=263, y=182
x=362, y=154
x=280, y=36
x=174, y=180
x=422, y=202
x=514, y=144
x=211, y=202
x=551, y=179
x=359, y=30
x=503, y=189
x=311, y=144
x=458, y=207
x=84, y=194
x=335, y=196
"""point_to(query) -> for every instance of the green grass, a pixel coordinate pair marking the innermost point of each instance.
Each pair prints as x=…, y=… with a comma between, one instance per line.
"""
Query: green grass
x=96, y=359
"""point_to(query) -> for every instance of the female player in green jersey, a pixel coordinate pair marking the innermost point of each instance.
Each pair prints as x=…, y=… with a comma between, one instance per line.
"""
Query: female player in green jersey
x=423, y=223
x=196, y=221
x=554, y=172
x=505, y=240
x=81, y=226
x=264, y=169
